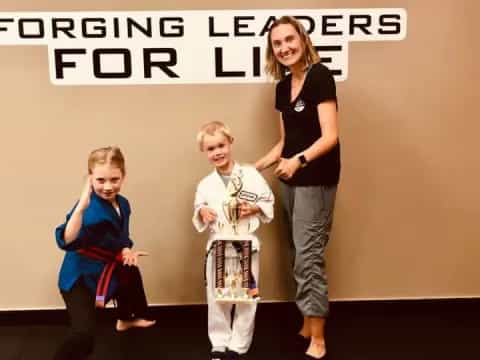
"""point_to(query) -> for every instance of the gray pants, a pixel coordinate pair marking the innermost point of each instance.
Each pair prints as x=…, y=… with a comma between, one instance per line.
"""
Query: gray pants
x=309, y=211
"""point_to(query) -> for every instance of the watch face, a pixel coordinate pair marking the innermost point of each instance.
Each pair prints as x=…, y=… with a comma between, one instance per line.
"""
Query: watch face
x=303, y=160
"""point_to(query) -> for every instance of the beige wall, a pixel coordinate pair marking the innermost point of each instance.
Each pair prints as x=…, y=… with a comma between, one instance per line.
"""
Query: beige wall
x=408, y=204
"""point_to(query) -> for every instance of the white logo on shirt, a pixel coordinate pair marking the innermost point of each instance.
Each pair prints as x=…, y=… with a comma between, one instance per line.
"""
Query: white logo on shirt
x=299, y=105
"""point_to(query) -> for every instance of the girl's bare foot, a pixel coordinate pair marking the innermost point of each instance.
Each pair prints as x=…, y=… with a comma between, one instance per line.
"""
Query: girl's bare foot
x=123, y=325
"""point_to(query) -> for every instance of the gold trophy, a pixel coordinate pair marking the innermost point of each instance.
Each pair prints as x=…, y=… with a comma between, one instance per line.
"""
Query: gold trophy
x=231, y=205
x=233, y=250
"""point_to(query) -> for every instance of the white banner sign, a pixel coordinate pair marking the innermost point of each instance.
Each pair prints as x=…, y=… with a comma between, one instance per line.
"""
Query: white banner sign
x=185, y=47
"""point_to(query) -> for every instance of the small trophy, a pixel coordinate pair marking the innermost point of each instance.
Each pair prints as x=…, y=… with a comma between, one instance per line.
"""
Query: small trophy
x=232, y=248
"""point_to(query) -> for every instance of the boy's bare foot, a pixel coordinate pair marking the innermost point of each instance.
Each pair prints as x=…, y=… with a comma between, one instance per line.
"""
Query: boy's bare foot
x=316, y=349
x=123, y=325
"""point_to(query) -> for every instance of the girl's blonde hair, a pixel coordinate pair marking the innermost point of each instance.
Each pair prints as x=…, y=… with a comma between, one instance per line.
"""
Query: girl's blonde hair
x=210, y=129
x=106, y=155
x=310, y=55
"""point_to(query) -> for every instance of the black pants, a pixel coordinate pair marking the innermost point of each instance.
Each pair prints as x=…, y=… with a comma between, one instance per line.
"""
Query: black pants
x=80, y=303
x=131, y=299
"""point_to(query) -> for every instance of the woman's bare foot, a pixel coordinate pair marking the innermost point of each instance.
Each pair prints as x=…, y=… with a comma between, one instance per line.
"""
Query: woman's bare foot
x=316, y=349
x=123, y=325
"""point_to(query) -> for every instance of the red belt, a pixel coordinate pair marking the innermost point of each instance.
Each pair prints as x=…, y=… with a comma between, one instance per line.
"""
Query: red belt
x=111, y=260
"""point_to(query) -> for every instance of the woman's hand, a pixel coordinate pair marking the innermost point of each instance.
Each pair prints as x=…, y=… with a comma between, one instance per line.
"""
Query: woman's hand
x=247, y=209
x=207, y=215
x=130, y=257
x=287, y=167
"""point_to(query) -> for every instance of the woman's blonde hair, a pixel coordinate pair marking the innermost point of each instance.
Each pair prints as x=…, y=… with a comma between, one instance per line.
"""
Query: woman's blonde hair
x=210, y=129
x=106, y=155
x=310, y=55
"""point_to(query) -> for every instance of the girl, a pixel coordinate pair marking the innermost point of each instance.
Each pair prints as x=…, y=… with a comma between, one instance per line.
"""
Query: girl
x=99, y=264
x=308, y=164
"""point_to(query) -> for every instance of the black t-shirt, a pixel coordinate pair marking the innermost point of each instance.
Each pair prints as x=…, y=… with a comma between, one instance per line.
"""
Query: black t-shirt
x=302, y=126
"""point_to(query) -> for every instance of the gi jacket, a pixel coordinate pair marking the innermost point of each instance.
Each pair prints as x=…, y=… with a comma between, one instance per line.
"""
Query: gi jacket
x=101, y=227
x=211, y=192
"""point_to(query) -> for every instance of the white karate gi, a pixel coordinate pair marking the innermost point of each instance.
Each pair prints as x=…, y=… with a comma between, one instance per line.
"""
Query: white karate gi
x=211, y=192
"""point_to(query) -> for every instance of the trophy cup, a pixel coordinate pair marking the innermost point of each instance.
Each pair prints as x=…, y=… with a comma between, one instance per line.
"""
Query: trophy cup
x=232, y=248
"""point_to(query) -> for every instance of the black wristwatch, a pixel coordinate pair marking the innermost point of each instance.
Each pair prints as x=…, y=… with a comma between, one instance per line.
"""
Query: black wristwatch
x=303, y=160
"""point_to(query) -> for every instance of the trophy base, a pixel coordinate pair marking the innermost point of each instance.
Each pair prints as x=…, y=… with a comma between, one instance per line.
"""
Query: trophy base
x=226, y=295
x=238, y=301
x=232, y=237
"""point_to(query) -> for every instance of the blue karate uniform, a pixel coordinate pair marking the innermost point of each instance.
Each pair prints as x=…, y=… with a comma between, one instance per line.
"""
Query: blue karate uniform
x=101, y=227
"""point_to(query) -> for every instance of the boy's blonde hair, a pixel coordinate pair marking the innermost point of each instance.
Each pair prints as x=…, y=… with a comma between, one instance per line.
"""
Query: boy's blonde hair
x=106, y=155
x=310, y=55
x=210, y=129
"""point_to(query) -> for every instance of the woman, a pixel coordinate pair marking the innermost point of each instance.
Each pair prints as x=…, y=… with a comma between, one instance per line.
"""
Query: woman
x=307, y=158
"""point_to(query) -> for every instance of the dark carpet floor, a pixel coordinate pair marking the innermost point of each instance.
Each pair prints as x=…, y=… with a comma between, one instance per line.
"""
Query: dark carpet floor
x=396, y=330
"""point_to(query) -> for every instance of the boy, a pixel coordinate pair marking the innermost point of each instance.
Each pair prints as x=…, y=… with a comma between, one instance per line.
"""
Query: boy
x=229, y=340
